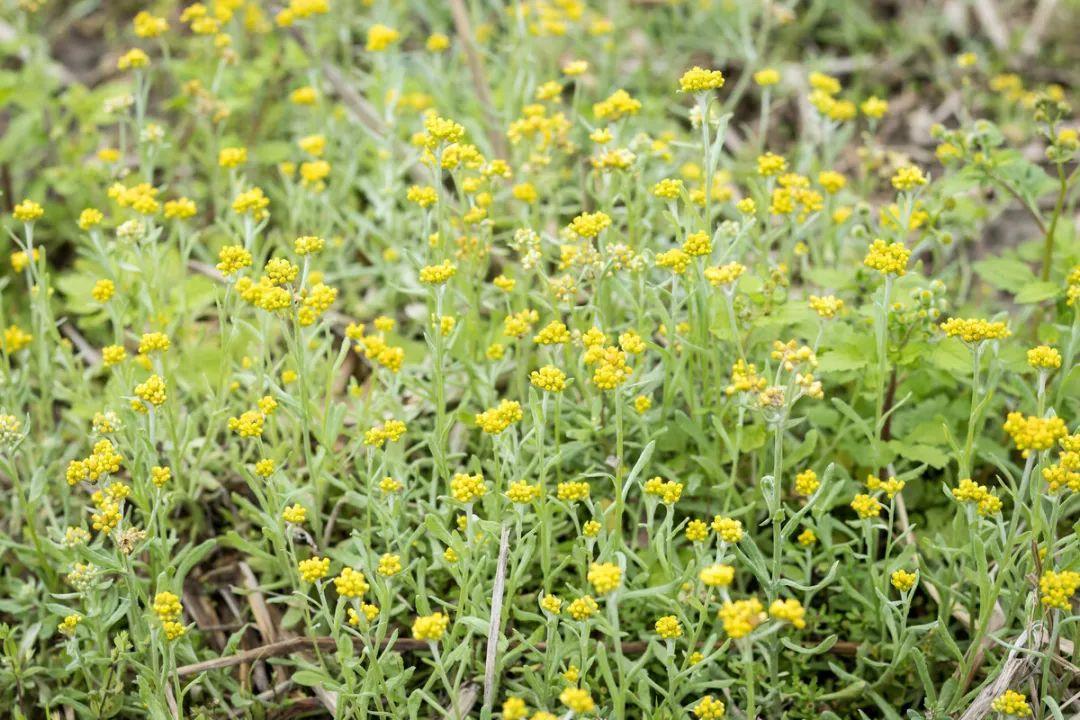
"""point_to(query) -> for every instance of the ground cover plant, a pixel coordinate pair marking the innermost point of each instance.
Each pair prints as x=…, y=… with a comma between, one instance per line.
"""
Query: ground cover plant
x=549, y=359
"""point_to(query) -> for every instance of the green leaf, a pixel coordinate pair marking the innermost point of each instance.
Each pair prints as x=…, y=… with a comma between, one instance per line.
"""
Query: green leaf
x=926, y=454
x=1037, y=291
x=1004, y=273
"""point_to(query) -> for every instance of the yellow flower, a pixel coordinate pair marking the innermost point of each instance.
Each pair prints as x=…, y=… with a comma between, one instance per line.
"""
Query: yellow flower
x=740, y=617
x=806, y=482
x=698, y=79
x=522, y=492
x=351, y=583
x=618, y=105
x=28, y=211
x=548, y=378
x=668, y=627
x=975, y=330
x=709, y=708
x=767, y=77
x=437, y=42
x=313, y=569
x=132, y=59
x=551, y=604
x=874, y=107
x=729, y=529
x=380, y=37
x=583, y=608
x=866, y=506
x=431, y=628
x=1034, y=433
x=1044, y=357
x=1057, y=588
x=908, y=177
x=437, y=274
x=887, y=258
x=717, y=575
x=389, y=565
x=604, y=577
x=103, y=290
x=771, y=164
x=1011, y=703
x=577, y=700
x=903, y=580
x=497, y=419
x=514, y=709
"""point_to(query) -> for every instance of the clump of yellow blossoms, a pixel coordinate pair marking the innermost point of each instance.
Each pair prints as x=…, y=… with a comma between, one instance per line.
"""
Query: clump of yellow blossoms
x=709, y=708
x=668, y=627
x=740, y=617
x=887, y=258
x=1044, y=357
x=168, y=609
x=604, y=577
x=548, y=378
x=430, y=628
x=1057, y=588
x=729, y=529
x=975, y=330
x=717, y=575
x=903, y=580
x=789, y=611
x=1034, y=433
x=577, y=700
x=866, y=506
x=583, y=608
x=1011, y=703
x=698, y=79
x=313, y=569
x=494, y=420
x=908, y=177
x=351, y=583
x=969, y=491
x=467, y=488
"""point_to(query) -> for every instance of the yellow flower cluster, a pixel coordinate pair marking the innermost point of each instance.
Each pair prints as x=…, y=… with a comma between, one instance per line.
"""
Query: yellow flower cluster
x=437, y=274
x=389, y=431
x=866, y=506
x=430, y=628
x=903, y=580
x=709, y=708
x=698, y=79
x=974, y=330
x=572, y=491
x=1011, y=703
x=103, y=460
x=313, y=569
x=467, y=488
x=668, y=491
x=740, y=617
x=522, y=492
x=729, y=529
x=494, y=420
x=969, y=491
x=668, y=627
x=806, y=482
x=1034, y=433
x=789, y=611
x=583, y=608
x=717, y=575
x=887, y=258
x=168, y=609
x=890, y=487
x=604, y=577
x=577, y=700
x=1057, y=588
x=548, y=378
x=351, y=583
x=724, y=275
x=1044, y=357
